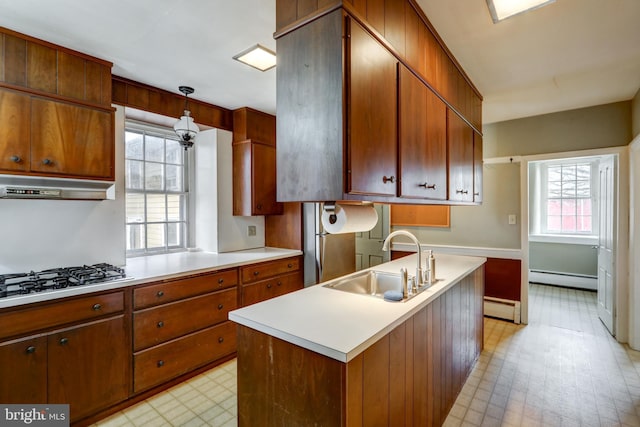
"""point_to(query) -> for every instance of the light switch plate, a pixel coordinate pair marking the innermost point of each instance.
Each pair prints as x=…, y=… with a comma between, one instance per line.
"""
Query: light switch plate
x=512, y=219
x=251, y=230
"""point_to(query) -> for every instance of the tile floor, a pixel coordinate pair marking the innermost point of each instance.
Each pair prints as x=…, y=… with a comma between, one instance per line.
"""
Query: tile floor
x=563, y=369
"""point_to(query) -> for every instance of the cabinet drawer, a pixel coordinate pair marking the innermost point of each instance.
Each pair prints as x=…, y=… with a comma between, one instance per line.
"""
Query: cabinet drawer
x=21, y=321
x=271, y=288
x=161, y=363
x=255, y=272
x=174, y=290
x=156, y=325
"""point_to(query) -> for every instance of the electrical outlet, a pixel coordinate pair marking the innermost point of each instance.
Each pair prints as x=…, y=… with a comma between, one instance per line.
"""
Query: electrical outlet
x=251, y=230
x=512, y=219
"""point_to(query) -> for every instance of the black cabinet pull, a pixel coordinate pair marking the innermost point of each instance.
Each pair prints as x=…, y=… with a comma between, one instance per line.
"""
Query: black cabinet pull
x=15, y=159
x=30, y=350
x=268, y=285
x=390, y=179
x=462, y=191
x=220, y=340
x=47, y=162
x=289, y=265
x=259, y=207
x=64, y=341
x=255, y=273
x=279, y=283
x=160, y=324
x=427, y=186
x=220, y=281
x=476, y=194
x=220, y=306
x=96, y=307
x=160, y=363
x=160, y=294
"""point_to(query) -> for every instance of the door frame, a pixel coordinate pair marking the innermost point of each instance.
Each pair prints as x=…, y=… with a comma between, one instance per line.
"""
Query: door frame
x=622, y=232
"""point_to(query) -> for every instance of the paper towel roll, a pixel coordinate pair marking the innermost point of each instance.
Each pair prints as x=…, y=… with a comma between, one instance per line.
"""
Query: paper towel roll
x=350, y=219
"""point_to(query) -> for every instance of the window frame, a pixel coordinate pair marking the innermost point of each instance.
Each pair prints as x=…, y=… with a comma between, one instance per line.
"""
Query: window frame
x=185, y=223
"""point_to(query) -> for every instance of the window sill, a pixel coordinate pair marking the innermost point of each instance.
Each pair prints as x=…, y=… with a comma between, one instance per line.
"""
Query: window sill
x=559, y=238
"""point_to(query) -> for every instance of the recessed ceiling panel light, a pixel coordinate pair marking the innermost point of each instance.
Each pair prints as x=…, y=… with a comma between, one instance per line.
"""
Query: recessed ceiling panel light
x=258, y=57
x=503, y=9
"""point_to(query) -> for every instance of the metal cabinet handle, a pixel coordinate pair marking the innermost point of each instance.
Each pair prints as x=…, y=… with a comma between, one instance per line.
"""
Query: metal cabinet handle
x=268, y=285
x=96, y=307
x=47, y=162
x=64, y=341
x=220, y=281
x=289, y=265
x=15, y=159
x=160, y=324
x=160, y=363
x=390, y=179
x=220, y=340
x=160, y=294
x=476, y=194
x=259, y=206
x=220, y=306
x=279, y=283
x=462, y=191
x=255, y=273
x=30, y=350
x=427, y=186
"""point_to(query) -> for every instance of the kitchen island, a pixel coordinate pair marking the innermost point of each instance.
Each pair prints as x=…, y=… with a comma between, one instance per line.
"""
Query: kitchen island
x=320, y=356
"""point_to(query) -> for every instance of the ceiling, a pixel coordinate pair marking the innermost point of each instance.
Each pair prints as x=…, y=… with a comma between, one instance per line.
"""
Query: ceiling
x=571, y=54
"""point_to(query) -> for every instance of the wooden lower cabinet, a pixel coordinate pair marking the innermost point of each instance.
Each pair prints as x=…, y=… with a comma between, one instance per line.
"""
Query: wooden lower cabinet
x=410, y=377
x=85, y=365
x=270, y=279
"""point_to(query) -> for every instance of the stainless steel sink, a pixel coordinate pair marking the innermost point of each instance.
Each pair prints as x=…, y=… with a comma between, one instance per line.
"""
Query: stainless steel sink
x=372, y=283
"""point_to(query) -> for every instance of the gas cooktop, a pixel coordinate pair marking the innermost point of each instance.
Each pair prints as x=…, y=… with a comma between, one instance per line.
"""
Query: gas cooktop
x=58, y=278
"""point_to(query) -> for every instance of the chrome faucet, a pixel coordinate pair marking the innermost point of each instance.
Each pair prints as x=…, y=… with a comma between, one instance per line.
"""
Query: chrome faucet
x=419, y=279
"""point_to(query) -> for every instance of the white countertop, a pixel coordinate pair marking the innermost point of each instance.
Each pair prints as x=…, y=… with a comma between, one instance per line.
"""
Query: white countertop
x=160, y=267
x=341, y=325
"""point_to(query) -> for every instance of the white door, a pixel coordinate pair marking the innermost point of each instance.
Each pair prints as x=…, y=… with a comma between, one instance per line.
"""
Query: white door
x=369, y=244
x=606, y=243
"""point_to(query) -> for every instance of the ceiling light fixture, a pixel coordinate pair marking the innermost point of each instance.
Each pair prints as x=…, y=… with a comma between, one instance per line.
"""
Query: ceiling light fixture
x=186, y=128
x=503, y=9
x=258, y=57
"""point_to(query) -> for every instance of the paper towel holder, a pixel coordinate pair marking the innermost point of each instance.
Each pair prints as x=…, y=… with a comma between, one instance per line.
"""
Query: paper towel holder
x=331, y=208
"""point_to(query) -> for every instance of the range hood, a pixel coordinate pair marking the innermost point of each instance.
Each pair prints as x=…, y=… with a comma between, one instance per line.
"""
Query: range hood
x=38, y=187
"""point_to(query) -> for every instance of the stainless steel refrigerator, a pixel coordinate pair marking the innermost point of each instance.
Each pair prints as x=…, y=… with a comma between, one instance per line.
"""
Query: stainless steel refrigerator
x=326, y=256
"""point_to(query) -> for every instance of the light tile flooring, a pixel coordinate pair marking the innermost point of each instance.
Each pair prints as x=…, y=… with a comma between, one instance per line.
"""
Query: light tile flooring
x=563, y=369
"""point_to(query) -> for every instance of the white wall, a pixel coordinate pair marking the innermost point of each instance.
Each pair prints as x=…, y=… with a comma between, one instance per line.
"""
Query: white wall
x=634, y=245
x=40, y=234
x=216, y=229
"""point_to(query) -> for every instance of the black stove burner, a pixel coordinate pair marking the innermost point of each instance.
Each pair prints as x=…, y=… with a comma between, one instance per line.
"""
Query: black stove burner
x=58, y=278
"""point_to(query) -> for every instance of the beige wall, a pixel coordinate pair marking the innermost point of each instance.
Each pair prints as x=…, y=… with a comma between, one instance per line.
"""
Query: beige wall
x=487, y=225
x=635, y=112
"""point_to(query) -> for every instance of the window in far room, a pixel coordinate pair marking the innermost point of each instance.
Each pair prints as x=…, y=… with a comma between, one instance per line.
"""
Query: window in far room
x=564, y=194
x=156, y=191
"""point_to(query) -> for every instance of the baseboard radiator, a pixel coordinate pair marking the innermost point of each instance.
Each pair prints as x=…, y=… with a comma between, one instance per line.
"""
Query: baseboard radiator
x=502, y=309
x=568, y=280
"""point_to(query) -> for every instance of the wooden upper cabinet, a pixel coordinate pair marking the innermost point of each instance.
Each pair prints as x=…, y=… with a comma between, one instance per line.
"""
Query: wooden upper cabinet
x=395, y=24
x=71, y=140
x=371, y=106
x=477, y=167
x=423, y=140
x=460, y=145
x=15, y=135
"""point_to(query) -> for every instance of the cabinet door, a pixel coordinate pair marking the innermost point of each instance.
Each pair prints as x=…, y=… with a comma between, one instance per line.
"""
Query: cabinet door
x=423, y=140
x=23, y=371
x=477, y=167
x=460, y=143
x=89, y=366
x=264, y=180
x=371, y=109
x=15, y=137
x=71, y=140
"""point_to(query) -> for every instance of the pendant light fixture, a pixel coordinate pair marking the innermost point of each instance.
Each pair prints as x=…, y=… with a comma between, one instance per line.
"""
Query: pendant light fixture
x=186, y=128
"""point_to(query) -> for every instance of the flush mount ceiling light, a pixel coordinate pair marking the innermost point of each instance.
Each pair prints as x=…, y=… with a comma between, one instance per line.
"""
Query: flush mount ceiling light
x=258, y=57
x=186, y=128
x=503, y=9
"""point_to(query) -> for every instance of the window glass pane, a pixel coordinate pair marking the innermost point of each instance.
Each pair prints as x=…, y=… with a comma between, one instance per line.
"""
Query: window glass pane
x=154, y=148
x=584, y=224
x=555, y=173
x=174, y=178
x=568, y=223
x=133, y=174
x=555, y=189
x=133, y=145
x=583, y=189
x=174, y=234
x=569, y=189
x=154, y=176
x=584, y=207
x=554, y=223
x=135, y=207
x=174, y=152
x=135, y=237
x=175, y=207
x=568, y=207
x=156, y=208
x=155, y=236
x=583, y=172
x=568, y=172
x=554, y=207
